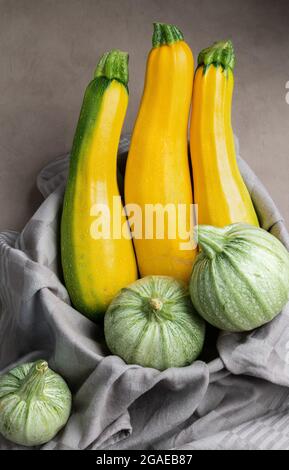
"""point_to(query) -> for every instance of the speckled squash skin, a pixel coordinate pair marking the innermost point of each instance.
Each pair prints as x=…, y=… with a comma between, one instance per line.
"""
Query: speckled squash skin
x=152, y=323
x=240, y=280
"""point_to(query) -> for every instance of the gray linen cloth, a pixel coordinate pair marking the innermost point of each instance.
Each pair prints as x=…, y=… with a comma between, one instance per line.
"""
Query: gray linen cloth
x=236, y=397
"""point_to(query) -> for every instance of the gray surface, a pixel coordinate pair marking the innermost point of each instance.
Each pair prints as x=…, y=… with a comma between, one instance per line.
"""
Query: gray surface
x=240, y=400
x=49, y=49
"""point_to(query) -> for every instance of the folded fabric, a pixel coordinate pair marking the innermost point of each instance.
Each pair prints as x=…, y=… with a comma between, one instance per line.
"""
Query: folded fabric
x=237, y=400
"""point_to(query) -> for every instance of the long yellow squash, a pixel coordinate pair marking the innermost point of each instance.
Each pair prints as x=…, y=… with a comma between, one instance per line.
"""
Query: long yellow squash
x=219, y=190
x=97, y=262
x=157, y=171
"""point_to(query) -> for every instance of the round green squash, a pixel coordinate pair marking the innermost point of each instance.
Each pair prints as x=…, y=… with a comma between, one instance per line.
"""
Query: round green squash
x=35, y=404
x=240, y=279
x=153, y=323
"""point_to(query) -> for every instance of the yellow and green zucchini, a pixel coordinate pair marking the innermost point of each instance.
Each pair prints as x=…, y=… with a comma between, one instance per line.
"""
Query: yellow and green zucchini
x=95, y=268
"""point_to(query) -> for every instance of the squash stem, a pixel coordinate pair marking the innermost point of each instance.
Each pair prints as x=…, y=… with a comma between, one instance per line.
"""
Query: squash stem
x=156, y=304
x=114, y=66
x=33, y=383
x=157, y=310
x=166, y=34
x=219, y=54
x=210, y=239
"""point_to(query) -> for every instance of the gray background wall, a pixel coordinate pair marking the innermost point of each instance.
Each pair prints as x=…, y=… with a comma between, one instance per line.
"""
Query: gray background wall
x=48, y=52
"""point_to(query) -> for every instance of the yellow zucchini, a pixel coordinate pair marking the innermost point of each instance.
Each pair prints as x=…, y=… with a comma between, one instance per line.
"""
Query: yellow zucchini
x=157, y=170
x=219, y=190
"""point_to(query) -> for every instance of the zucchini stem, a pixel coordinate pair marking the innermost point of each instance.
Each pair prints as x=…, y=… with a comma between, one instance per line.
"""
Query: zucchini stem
x=219, y=54
x=114, y=66
x=166, y=34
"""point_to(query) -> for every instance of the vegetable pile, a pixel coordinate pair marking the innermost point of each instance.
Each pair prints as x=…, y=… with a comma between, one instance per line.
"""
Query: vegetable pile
x=236, y=279
x=238, y=276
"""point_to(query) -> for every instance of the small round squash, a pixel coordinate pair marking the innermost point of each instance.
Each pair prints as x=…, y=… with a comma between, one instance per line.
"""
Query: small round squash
x=35, y=403
x=240, y=279
x=153, y=323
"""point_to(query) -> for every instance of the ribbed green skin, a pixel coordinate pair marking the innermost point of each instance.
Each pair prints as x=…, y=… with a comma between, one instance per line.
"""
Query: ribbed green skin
x=166, y=34
x=240, y=280
x=35, y=404
x=219, y=54
x=140, y=333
